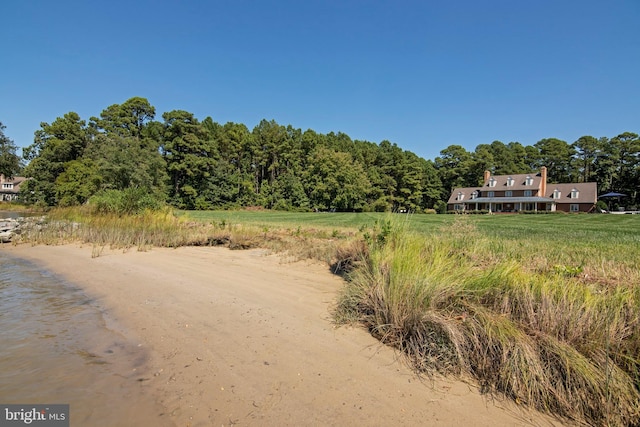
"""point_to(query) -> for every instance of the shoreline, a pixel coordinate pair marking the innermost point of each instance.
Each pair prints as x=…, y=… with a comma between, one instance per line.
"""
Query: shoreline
x=244, y=337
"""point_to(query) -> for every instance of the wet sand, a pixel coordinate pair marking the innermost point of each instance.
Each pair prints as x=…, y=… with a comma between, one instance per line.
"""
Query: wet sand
x=245, y=338
x=56, y=346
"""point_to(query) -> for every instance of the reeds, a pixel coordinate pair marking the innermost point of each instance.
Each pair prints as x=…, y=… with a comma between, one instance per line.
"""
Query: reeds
x=457, y=302
x=143, y=230
x=163, y=228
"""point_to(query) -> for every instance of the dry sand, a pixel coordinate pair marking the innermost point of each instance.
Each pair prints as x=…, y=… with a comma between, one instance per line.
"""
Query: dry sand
x=245, y=338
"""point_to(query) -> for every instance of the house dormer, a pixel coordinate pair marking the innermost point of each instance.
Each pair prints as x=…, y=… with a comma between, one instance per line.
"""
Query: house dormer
x=556, y=194
x=492, y=182
x=575, y=194
x=7, y=185
x=474, y=194
x=510, y=181
x=528, y=181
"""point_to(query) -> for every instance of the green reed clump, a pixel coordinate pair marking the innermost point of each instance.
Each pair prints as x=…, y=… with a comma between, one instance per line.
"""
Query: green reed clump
x=457, y=302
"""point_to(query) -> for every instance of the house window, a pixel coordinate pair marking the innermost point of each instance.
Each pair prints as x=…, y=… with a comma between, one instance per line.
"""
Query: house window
x=510, y=181
x=508, y=193
x=528, y=193
x=556, y=194
x=528, y=181
x=492, y=182
x=575, y=207
x=575, y=194
x=490, y=194
x=7, y=186
x=458, y=207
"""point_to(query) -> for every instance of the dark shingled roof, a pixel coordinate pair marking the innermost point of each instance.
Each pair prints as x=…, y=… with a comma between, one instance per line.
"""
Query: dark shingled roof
x=587, y=191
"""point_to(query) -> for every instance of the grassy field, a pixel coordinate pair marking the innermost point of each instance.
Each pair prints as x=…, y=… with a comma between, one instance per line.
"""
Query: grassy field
x=590, y=228
x=572, y=239
x=542, y=309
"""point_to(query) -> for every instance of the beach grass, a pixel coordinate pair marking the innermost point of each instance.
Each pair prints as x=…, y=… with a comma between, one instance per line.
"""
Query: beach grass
x=167, y=228
x=522, y=318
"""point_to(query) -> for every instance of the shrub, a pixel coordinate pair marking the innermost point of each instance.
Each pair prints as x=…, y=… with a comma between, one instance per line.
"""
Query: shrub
x=124, y=202
x=440, y=206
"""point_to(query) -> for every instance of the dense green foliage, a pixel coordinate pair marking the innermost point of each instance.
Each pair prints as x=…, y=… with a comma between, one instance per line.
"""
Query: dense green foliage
x=10, y=163
x=195, y=164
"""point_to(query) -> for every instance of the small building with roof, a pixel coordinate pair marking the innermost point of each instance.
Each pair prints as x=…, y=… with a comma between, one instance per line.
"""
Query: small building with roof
x=10, y=188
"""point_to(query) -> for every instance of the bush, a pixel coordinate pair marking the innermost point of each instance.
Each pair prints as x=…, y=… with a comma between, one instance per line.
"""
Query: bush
x=281, y=205
x=124, y=202
x=440, y=206
x=380, y=205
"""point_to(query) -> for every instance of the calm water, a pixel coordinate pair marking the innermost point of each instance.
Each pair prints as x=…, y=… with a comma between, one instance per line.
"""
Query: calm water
x=7, y=214
x=15, y=215
x=56, y=346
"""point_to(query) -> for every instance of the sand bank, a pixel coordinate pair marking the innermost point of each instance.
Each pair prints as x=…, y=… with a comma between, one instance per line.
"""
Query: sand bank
x=245, y=338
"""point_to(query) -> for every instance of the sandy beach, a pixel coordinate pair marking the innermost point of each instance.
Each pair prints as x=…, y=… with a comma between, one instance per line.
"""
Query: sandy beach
x=246, y=338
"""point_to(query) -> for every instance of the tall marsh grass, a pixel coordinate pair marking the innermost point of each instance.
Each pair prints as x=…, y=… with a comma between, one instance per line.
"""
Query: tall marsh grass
x=148, y=228
x=163, y=228
x=459, y=302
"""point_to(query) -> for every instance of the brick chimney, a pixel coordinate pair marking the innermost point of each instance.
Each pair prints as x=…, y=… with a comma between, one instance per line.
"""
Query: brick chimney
x=487, y=175
x=1, y=178
x=543, y=181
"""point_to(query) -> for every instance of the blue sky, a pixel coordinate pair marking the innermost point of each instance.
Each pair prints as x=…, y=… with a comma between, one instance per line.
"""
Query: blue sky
x=421, y=74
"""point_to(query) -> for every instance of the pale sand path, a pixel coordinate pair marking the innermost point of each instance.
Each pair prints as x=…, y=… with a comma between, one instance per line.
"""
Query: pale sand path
x=240, y=338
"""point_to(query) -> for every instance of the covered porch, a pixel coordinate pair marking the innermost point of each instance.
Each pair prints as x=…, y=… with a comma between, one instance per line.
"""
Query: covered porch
x=509, y=204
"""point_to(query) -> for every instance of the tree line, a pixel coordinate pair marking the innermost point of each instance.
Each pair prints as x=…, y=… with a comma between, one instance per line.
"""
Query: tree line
x=193, y=164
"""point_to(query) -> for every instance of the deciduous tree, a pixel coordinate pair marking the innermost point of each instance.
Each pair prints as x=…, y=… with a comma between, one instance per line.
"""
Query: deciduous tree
x=55, y=146
x=10, y=162
x=335, y=181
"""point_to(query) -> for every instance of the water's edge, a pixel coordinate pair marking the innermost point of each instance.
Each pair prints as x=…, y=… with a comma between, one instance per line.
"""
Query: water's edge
x=60, y=346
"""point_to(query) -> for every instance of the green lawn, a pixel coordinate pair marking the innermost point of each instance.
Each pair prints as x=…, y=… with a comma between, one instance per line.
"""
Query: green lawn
x=599, y=229
x=572, y=239
x=289, y=219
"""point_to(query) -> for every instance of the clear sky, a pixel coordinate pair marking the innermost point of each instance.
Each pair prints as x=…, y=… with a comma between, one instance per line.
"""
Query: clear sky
x=422, y=74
